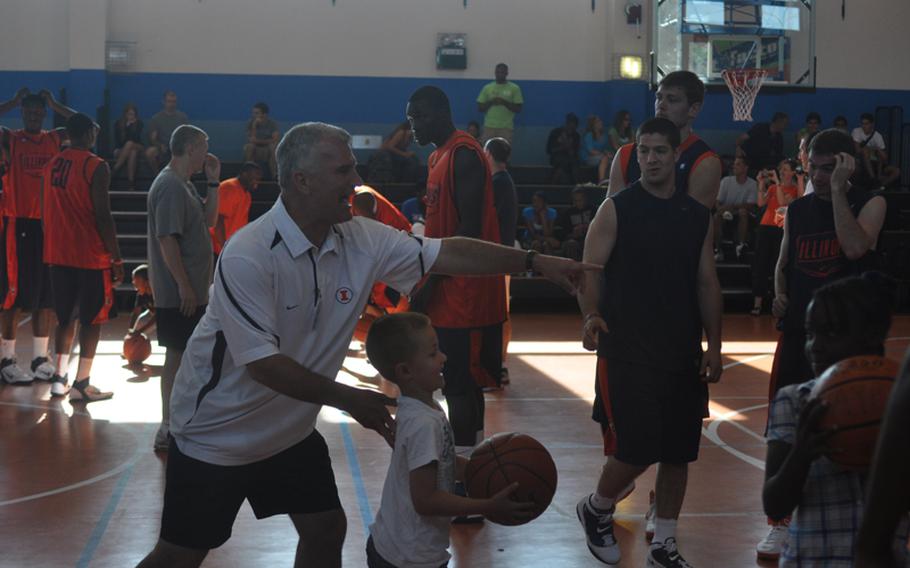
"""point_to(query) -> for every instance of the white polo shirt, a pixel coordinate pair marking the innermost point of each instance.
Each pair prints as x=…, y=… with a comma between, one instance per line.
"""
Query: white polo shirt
x=275, y=292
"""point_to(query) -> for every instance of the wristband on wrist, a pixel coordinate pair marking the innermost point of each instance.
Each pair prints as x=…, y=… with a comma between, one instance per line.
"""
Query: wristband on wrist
x=529, y=260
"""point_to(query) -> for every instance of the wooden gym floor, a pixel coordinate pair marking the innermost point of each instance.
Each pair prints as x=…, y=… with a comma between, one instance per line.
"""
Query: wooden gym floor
x=81, y=486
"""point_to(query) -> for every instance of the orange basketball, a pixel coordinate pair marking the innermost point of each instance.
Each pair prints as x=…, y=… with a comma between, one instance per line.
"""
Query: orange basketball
x=856, y=390
x=136, y=348
x=507, y=458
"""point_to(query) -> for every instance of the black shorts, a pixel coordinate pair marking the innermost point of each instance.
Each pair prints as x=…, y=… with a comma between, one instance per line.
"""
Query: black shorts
x=648, y=415
x=87, y=292
x=374, y=560
x=24, y=279
x=790, y=367
x=174, y=328
x=474, y=358
x=201, y=500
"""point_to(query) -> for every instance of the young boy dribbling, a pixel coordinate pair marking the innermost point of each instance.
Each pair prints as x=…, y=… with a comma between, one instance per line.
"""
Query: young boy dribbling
x=412, y=525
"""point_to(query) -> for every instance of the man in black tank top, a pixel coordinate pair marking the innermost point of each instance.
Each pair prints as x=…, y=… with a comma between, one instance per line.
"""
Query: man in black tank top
x=645, y=317
x=679, y=98
x=828, y=235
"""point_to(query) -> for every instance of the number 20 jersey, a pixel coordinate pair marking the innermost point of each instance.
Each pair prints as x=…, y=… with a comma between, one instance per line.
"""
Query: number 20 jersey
x=71, y=236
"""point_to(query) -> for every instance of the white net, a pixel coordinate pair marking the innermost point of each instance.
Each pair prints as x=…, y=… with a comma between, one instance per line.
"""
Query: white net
x=744, y=85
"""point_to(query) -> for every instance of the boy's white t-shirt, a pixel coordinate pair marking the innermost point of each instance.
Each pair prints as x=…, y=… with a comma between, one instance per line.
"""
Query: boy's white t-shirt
x=401, y=536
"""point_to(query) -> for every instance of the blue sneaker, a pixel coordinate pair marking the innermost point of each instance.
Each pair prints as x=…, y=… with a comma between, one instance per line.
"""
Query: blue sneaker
x=598, y=525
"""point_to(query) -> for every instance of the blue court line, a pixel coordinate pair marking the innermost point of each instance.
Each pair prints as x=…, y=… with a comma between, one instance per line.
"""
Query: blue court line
x=95, y=538
x=366, y=514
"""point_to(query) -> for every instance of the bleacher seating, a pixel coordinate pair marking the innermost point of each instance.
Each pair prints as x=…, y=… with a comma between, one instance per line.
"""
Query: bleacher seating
x=129, y=207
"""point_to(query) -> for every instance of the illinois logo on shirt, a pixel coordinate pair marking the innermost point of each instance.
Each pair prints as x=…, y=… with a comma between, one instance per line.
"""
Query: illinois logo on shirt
x=344, y=295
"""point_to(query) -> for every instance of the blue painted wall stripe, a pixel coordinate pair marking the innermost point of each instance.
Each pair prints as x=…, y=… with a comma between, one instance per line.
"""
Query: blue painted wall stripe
x=373, y=105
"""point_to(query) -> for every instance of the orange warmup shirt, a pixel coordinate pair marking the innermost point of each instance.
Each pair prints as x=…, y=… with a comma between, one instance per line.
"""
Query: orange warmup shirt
x=234, y=205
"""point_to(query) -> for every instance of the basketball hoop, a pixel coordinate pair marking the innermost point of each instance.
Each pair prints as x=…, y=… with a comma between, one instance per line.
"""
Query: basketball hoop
x=744, y=85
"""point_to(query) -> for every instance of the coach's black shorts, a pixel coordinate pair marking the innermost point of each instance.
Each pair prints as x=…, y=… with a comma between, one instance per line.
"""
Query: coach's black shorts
x=24, y=279
x=201, y=500
x=174, y=328
x=474, y=358
x=88, y=292
x=648, y=415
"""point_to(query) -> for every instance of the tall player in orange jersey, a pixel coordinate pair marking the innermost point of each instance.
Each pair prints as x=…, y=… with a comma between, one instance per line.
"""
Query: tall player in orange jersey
x=23, y=274
x=80, y=246
x=467, y=313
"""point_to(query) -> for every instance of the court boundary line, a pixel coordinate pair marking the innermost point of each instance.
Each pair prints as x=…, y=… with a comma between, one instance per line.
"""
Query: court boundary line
x=79, y=484
x=113, y=502
x=363, y=502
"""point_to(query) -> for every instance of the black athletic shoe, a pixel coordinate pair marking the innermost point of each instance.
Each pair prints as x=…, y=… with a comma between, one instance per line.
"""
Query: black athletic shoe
x=598, y=525
x=666, y=555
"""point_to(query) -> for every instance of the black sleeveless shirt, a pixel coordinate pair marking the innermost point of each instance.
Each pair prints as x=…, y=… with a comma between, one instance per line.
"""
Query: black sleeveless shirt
x=814, y=255
x=692, y=150
x=649, y=292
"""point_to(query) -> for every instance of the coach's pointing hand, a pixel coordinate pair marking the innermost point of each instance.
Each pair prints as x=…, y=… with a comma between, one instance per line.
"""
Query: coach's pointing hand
x=567, y=273
x=369, y=409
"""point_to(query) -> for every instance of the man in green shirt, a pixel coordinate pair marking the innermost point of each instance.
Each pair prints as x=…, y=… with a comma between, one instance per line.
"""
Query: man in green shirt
x=500, y=101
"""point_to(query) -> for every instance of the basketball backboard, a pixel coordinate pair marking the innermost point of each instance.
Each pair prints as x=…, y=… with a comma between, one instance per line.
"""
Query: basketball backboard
x=709, y=36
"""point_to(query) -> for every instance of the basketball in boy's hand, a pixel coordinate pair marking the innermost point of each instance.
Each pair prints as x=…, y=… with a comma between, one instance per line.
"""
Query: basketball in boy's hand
x=506, y=458
x=136, y=348
x=856, y=391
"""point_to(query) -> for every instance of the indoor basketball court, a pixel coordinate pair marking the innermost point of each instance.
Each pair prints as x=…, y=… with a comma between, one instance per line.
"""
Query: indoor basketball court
x=80, y=484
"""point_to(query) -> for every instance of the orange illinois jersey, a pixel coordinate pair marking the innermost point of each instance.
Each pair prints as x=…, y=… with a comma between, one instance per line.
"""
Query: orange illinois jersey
x=460, y=301
x=28, y=155
x=71, y=236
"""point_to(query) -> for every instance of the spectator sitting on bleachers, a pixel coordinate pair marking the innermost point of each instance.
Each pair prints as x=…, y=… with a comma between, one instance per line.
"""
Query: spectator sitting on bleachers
x=573, y=223
x=840, y=123
x=415, y=208
x=595, y=147
x=736, y=201
x=563, y=145
x=539, y=225
x=161, y=126
x=763, y=144
x=397, y=149
x=870, y=148
x=620, y=132
x=128, y=142
x=812, y=126
x=262, y=135
x=234, y=200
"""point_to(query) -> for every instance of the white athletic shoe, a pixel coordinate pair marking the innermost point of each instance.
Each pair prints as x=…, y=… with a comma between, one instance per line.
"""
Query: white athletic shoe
x=769, y=548
x=43, y=369
x=13, y=374
x=650, y=517
x=59, y=386
x=598, y=525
